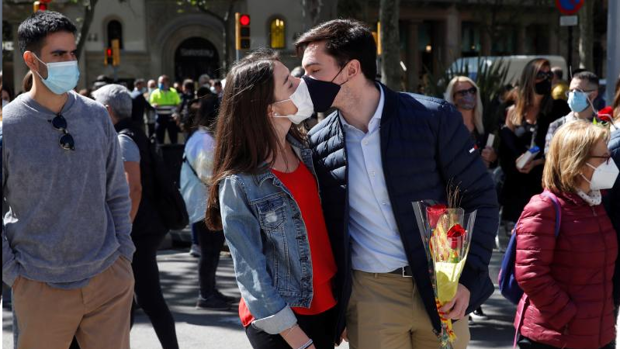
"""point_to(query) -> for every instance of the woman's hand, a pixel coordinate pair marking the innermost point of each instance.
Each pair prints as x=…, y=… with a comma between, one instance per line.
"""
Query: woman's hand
x=295, y=337
x=488, y=156
x=530, y=165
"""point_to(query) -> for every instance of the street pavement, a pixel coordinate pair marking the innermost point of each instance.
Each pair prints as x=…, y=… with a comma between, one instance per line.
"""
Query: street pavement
x=197, y=328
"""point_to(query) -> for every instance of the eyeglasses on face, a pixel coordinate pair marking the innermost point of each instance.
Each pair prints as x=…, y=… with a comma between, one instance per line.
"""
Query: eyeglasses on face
x=66, y=140
x=567, y=93
x=463, y=93
x=604, y=157
x=544, y=75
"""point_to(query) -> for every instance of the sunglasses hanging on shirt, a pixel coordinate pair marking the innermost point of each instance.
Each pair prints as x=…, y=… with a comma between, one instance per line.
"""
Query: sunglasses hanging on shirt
x=66, y=140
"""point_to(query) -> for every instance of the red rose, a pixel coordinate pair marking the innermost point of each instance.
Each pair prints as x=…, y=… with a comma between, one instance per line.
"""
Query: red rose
x=434, y=213
x=454, y=234
x=605, y=113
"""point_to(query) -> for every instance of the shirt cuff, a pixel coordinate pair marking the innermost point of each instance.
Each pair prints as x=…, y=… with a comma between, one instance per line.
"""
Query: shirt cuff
x=277, y=323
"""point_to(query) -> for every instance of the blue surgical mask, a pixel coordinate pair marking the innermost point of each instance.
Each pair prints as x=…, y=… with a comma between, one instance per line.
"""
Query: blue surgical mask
x=578, y=101
x=62, y=77
x=160, y=86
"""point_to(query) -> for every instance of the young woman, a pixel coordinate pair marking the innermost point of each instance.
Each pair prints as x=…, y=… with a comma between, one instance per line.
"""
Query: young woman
x=567, y=280
x=464, y=94
x=527, y=122
x=264, y=195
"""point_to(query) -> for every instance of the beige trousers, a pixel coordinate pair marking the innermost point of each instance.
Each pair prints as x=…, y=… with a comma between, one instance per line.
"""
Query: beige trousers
x=96, y=314
x=386, y=312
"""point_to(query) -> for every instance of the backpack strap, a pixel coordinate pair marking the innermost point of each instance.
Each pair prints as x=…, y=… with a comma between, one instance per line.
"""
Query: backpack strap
x=190, y=166
x=558, y=210
x=558, y=220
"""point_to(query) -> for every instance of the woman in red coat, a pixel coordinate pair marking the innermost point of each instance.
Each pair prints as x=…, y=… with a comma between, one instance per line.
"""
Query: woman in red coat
x=568, y=280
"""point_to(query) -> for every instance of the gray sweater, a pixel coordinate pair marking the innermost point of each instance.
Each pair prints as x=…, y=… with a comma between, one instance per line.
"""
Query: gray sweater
x=66, y=213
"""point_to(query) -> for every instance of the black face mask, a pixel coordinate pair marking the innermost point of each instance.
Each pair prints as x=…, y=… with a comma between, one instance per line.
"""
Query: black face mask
x=323, y=93
x=543, y=88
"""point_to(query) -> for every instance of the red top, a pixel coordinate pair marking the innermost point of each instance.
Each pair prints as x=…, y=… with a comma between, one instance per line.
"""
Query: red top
x=302, y=185
x=568, y=279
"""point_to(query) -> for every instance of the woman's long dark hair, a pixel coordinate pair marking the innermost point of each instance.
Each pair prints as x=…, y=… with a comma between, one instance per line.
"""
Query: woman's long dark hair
x=526, y=88
x=245, y=136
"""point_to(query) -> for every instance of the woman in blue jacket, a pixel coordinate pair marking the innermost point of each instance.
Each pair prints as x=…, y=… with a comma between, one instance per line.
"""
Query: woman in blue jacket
x=265, y=196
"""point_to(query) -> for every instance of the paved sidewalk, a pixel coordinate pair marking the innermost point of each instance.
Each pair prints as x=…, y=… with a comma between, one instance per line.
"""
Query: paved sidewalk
x=211, y=329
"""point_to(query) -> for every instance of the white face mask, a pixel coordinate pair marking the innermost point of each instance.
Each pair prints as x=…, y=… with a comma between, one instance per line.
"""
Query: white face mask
x=303, y=102
x=604, y=176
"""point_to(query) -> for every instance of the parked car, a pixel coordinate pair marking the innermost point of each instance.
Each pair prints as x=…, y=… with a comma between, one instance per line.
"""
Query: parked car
x=515, y=65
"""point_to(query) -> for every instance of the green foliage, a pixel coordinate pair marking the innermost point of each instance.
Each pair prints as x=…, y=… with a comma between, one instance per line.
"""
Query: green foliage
x=491, y=78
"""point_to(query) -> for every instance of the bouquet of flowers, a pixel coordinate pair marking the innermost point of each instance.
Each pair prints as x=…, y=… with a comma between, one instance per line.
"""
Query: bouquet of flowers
x=446, y=234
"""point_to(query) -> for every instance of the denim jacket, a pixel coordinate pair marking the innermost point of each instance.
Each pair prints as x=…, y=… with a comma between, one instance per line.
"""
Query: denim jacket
x=269, y=245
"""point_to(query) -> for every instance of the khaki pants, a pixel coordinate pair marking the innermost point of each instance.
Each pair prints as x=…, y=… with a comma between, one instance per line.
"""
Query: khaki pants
x=386, y=312
x=96, y=314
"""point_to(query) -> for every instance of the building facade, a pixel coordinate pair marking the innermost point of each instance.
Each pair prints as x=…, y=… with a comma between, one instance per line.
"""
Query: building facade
x=162, y=37
x=182, y=41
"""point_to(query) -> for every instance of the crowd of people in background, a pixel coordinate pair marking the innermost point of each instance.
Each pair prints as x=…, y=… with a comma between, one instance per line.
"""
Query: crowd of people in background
x=304, y=282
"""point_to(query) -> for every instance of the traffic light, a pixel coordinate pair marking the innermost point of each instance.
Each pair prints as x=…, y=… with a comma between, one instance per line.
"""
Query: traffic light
x=242, y=31
x=40, y=5
x=116, y=52
x=113, y=54
x=108, y=57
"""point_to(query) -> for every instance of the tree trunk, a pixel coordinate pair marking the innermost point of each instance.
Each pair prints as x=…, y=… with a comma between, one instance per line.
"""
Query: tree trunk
x=390, y=43
x=586, y=36
x=89, y=15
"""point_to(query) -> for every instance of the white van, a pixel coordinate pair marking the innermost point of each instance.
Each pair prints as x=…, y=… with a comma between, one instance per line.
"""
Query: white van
x=517, y=63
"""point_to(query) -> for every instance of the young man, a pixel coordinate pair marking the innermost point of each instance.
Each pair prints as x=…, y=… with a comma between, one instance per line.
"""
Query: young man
x=582, y=91
x=66, y=246
x=379, y=152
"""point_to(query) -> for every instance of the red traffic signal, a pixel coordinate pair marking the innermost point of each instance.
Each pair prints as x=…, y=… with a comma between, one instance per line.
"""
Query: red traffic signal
x=109, y=56
x=244, y=20
x=242, y=31
x=40, y=5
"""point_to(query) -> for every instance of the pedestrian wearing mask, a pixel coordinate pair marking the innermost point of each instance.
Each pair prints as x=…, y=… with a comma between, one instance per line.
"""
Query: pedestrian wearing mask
x=265, y=196
x=377, y=153
x=567, y=277
x=527, y=122
x=66, y=245
x=464, y=94
x=582, y=91
x=166, y=101
x=140, y=106
x=7, y=96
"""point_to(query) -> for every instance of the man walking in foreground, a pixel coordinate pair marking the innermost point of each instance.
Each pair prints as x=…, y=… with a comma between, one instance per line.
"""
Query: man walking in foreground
x=66, y=246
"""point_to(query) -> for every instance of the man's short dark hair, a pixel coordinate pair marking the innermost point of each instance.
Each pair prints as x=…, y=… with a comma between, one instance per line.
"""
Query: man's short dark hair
x=33, y=31
x=345, y=39
x=587, y=76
